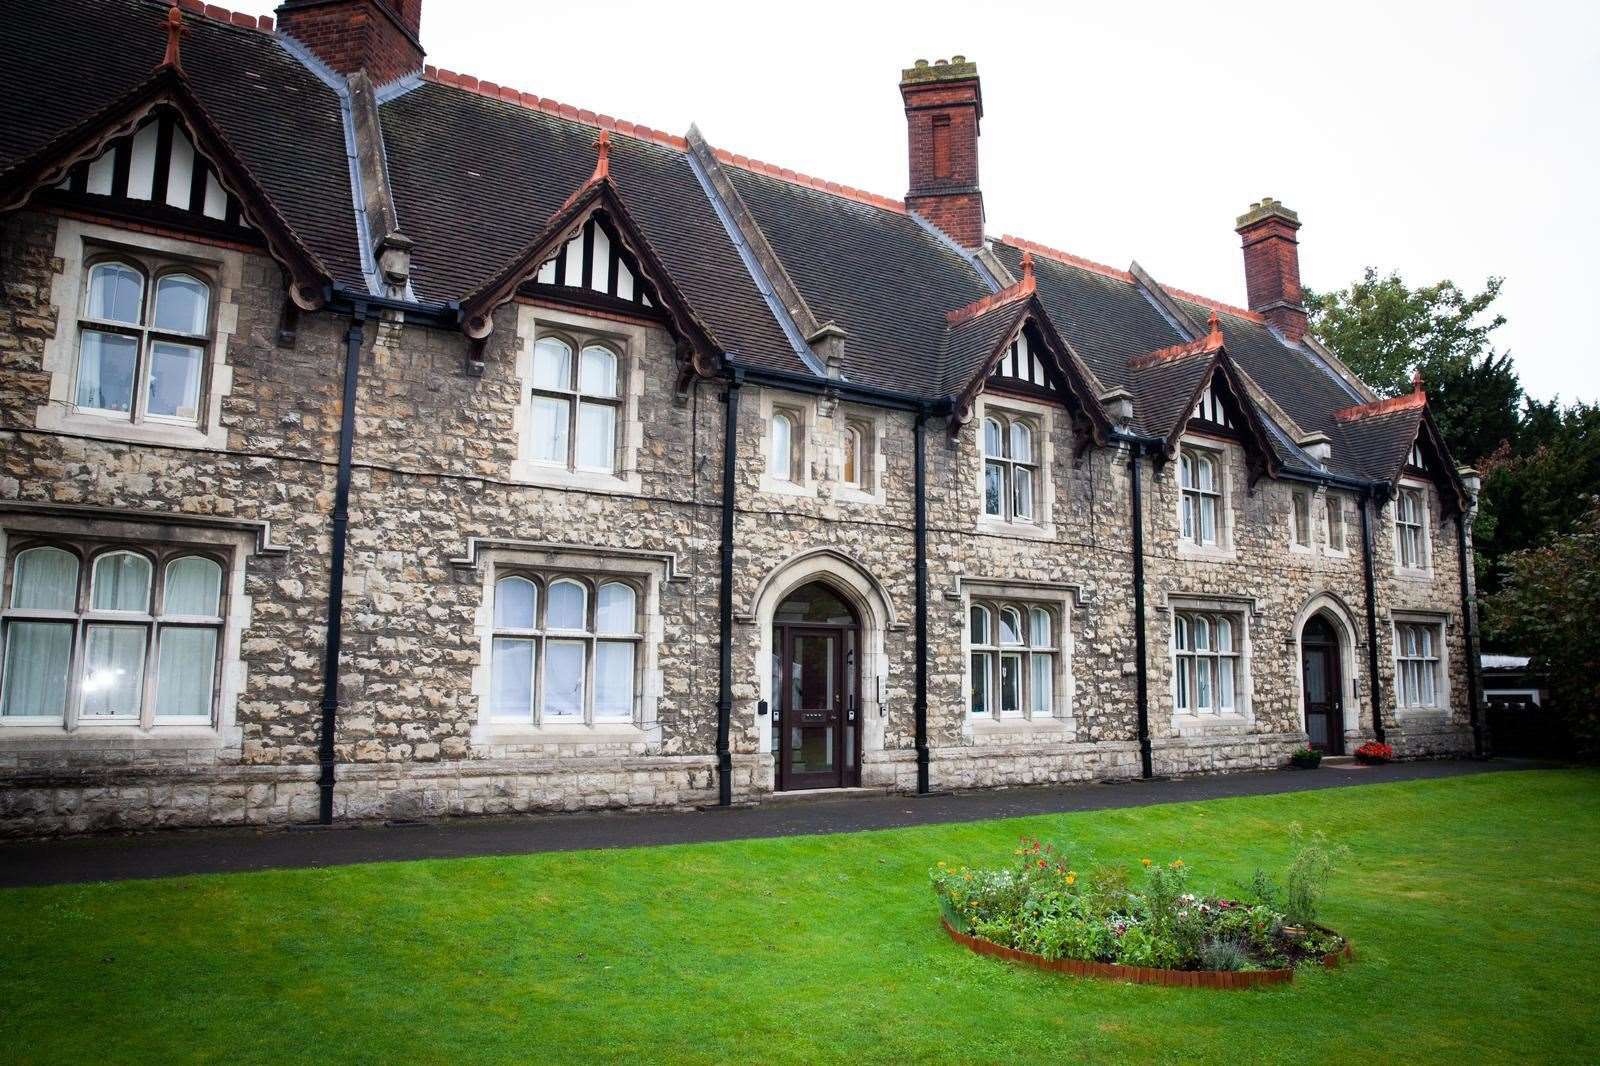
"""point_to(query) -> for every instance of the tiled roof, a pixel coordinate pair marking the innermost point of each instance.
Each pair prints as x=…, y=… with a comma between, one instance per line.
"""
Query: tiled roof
x=478, y=168
x=66, y=59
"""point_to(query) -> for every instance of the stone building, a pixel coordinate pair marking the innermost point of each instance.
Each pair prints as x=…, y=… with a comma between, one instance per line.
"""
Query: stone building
x=378, y=442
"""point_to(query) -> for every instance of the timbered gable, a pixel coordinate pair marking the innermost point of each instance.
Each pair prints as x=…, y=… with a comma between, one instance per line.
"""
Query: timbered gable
x=594, y=263
x=155, y=173
x=1022, y=365
x=1211, y=413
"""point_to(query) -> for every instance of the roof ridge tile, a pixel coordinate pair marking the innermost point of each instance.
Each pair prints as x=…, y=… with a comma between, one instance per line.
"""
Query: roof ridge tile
x=1065, y=257
x=223, y=15
x=1408, y=401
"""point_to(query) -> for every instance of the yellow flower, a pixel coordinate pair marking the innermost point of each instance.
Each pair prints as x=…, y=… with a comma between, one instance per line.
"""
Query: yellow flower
x=941, y=862
x=1072, y=878
x=1145, y=861
x=1177, y=864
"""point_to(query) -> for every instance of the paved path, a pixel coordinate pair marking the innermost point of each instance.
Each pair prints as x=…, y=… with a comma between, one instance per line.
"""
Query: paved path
x=165, y=854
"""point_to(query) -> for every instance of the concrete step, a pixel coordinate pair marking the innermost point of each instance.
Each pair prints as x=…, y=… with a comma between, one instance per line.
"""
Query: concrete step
x=804, y=795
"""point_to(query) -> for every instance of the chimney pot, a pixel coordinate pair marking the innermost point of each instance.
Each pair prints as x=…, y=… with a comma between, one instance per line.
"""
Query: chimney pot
x=1272, y=265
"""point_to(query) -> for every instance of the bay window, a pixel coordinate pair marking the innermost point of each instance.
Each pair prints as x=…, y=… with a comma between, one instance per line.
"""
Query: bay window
x=98, y=633
x=565, y=649
x=1206, y=663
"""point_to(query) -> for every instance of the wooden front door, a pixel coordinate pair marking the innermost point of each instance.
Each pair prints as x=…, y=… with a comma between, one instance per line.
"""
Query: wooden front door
x=816, y=724
x=1322, y=681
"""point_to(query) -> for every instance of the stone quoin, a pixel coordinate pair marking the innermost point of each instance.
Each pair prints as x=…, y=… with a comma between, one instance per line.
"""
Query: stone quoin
x=377, y=442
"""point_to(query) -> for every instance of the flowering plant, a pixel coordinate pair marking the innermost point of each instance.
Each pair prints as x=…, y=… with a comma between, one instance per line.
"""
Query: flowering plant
x=1372, y=753
x=1069, y=907
x=1305, y=758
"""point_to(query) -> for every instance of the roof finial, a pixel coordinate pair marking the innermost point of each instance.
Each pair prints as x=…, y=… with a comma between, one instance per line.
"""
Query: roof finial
x=1416, y=382
x=175, y=30
x=1215, y=322
x=1028, y=281
x=602, y=166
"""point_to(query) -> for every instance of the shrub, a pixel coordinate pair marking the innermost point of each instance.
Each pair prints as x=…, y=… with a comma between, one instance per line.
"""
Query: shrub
x=1224, y=953
x=1372, y=753
x=1305, y=759
x=1306, y=881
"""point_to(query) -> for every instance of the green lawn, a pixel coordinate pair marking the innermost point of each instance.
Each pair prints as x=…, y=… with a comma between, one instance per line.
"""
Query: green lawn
x=1471, y=901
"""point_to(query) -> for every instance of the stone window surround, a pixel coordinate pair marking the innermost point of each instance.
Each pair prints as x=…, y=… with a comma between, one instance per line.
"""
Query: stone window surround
x=1223, y=453
x=1421, y=487
x=79, y=242
x=236, y=545
x=1042, y=415
x=647, y=574
x=1441, y=622
x=871, y=421
x=802, y=410
x=1061, y=599
x=629, y=342
x=1244, y=610
x=1310, y=531
x=1345, y=499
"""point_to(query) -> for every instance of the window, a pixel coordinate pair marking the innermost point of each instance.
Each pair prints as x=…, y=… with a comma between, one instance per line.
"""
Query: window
x=1410, y=514
x=1336, y=520
x=1206, y=650
x=1416, y=652
x=1014, y=652
x=143, y=335
x=858, y=454
x=564, y=650
x=785, y=446
x=1010, y=468
x=575, y=405
x=1202, y=496
x=101, y=634
x=1300, y=519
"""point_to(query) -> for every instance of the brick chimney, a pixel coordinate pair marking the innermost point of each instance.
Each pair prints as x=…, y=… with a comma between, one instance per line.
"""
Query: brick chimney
x=943, y=106
x=378, y=36
x=1272, y=266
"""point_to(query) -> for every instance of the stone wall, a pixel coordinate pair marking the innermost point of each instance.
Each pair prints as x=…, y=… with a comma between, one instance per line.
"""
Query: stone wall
x=438, y=497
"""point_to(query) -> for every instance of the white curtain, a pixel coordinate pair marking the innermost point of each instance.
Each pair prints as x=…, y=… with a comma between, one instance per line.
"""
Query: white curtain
x=46, y=580
x=613, y=680
x=614, y=612
x=563, y=682
x=188, y=659
x=511, y=694
x=113, y=675
x=194, y=588
x=122, y=582
x=38, y=655
x=597, y=436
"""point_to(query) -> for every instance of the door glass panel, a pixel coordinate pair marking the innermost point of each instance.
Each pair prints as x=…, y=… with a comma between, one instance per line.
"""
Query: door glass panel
x=1316, y=676
x=812, y=679
x=810, y=750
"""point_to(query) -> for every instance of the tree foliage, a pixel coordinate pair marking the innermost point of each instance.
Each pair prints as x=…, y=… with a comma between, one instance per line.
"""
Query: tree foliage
x=1383, y=329
x=1547, y=609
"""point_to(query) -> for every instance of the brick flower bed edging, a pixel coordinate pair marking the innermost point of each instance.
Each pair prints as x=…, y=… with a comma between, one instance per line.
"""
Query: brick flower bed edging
x=1139, y=975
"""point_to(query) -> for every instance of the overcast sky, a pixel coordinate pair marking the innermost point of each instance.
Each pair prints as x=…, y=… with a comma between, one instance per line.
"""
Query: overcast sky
x=1442, y=140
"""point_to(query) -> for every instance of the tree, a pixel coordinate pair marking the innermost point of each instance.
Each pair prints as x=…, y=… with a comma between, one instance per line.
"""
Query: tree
x=1548, y=609
x=1383, y=330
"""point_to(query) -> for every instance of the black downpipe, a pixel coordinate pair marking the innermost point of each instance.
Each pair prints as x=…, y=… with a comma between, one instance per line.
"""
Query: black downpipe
x=730, y=448
x=920, y=707
x=1373, y=684
x=1141, y=667
x=341, y=526
x=1469, y=630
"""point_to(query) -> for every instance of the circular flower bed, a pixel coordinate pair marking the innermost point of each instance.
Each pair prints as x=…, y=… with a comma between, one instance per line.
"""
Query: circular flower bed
x=1147, y=926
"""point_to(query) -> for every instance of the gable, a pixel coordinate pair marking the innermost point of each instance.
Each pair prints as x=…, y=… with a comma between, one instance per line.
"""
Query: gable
x=157, y=173
x=1212, y=409
x=594, y=263
x=1022, y=364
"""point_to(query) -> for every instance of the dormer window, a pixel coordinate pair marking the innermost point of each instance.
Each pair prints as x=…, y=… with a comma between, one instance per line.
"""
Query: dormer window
x=1010, y=468
x=1202, y=496
x=574, y=405
x=143, y=333
x=1410, y=517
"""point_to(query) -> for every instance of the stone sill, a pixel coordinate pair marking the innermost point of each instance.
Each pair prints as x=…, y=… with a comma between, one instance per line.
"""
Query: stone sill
x=1018, y=530
x=21, y=738
x=506, y=734
x=1193, y=725
x=555, y=477
x=990, y=727
x=1214, y=554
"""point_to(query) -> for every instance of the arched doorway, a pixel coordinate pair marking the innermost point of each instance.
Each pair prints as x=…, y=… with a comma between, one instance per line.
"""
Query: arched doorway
x=1322, y=683
x=816, y=683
